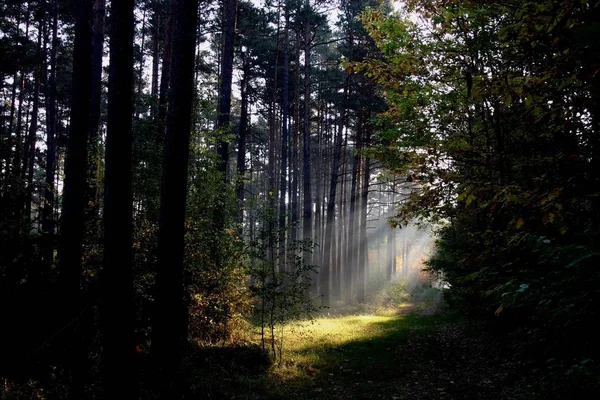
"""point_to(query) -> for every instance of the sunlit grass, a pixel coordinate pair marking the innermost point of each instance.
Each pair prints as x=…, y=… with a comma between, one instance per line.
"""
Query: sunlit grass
x=341, y=347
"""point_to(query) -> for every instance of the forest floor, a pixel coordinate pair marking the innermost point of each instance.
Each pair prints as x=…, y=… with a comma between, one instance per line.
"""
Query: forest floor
x=420, y=350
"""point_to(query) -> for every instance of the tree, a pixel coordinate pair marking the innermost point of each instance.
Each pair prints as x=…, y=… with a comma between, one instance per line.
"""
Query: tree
x=170, y=326
x=117, y=313
x=71, y=238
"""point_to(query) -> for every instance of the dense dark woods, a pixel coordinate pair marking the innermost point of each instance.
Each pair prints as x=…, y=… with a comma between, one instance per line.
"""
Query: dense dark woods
x=178, y=177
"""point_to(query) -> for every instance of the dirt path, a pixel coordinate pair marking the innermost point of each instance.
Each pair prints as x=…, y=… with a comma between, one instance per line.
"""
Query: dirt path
x=431, y=356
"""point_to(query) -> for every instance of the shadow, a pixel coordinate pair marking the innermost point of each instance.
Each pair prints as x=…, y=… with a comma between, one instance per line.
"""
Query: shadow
x=411, y=357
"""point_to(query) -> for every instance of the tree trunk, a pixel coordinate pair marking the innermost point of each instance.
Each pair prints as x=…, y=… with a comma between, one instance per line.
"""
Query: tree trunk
x=229, y=13
x=93, y=196
x=17, y=184
x=329, y=250
x=28, y=160
x=140, y=72
x=391, y=237
x=155, y=56
x=364, y=240
x=241, y=155
x=165, y=78
x=119, y=376
x=75, y=170
x=353, y=247
x=284, y=129
x=72, y=228
x=47, y=212
x=307, y=203
x=170, y=327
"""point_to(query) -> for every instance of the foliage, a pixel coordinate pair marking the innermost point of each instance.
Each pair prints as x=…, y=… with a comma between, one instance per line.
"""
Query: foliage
x=492, y=116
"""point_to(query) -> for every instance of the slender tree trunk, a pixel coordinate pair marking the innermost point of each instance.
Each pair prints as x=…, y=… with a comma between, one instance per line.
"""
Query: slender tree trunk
x=17, y=186
x=155, y=57
x=13, y=102
x=47, y=212
x=353, y=226
x=364, y=240
x=170, y=327
x=329, y=251
x=72, y=228
x=284, y=131
x=241, y=155
x=119, y=376
x=391, y=237
x=140, y=72
x=73, y=198
x=307, y=203
x=93, y=195
x=271, y=190
x=166, y=63
x=229, y=13
x=28, y=160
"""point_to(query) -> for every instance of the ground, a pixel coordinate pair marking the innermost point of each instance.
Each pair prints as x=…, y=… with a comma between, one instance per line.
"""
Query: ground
x=419, y=351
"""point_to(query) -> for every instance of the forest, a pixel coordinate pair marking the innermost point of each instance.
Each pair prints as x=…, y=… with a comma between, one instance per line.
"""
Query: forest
x=293, y=199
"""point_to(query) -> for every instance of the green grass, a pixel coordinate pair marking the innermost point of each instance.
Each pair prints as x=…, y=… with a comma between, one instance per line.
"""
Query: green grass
x=340, y=357
x=347, y=356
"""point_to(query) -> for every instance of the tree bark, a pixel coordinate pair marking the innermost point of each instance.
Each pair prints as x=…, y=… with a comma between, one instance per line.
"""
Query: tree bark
x=170, y=325
x=47, y=212
x=94, y=129
x=29, y=158
x=307, y=200
x=353, y=248
x=364, y=240
x=72, y=228
x=165, y=78
x=229, y=13
x=119, y=377
x=284, y=134
x=329, y=250
x=241, y=155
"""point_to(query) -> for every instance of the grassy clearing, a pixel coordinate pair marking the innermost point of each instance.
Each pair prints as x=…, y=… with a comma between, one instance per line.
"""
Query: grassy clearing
x=348, y=356
x=329, y=357
x=403, y=354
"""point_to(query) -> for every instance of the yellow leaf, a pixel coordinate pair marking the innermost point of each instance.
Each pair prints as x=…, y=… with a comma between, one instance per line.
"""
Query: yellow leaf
x=499, y=310
x=520, y=223
x=470, y=199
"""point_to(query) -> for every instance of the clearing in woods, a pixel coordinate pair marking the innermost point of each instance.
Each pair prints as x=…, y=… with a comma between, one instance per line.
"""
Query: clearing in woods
x=419, y=351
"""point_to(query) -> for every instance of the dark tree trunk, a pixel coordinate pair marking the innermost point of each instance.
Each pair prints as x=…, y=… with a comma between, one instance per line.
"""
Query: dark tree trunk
x=72, y=228
x=47, y=212
x=76, y=161
x=307, y=206
x=165, y=78
x=119, y=377
x=170, y=325
x=28, y=160
x=284, y=124
x=346, y=278
x=364, y=241
x=241, y=155
x=391, y=237
x=17, y=184
x=140, y=72
x=155, y=56
x=294, y=170
x=226, y=81
x=318, y=175
x=94, y=155
x=352, y=255
x=330, y=251
x=13, y=102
